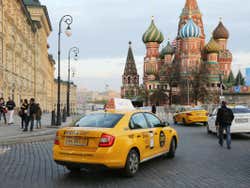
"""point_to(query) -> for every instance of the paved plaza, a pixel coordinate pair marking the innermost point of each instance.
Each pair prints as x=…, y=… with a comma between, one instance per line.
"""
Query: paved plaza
x=199, y=162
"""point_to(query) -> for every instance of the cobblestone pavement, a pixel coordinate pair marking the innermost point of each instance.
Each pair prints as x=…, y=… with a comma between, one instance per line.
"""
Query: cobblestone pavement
x=200, y=162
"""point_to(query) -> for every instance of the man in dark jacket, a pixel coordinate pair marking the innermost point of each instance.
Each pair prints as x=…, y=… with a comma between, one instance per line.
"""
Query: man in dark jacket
x=32, y=109
x=223, y=122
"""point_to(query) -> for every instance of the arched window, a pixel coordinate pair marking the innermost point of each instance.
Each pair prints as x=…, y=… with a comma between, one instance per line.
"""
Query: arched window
x=129, y=80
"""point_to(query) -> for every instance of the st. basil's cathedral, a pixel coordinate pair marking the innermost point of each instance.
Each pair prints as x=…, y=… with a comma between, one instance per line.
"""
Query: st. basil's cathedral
x=168, y=75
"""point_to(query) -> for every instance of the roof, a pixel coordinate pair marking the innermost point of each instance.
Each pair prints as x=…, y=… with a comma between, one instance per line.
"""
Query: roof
x=36, y=3
x=130, y=67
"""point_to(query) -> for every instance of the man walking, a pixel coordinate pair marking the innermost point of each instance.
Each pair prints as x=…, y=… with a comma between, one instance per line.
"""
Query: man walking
x=32, y=108
x=10, y=106
x=223, y=122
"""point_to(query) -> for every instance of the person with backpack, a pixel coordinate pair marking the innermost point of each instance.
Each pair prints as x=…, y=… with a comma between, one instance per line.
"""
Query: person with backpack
x=223, y=122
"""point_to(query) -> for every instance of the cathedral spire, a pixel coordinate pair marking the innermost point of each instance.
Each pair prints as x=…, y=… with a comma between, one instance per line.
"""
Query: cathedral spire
x=191, y=5
x=130, y=67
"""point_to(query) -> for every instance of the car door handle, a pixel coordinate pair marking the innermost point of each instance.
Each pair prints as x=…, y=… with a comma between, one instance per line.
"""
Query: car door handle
x=138, y=136
x=156, y=134
x=151, y=131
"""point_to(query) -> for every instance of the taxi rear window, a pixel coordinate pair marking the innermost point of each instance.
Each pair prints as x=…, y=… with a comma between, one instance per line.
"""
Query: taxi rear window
x=102, y=120
x=241, y=110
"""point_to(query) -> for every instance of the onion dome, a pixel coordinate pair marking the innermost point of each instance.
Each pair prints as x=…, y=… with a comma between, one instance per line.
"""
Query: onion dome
x=153, y=34
x=190, y=30
x=221, y=32
x=167, y=50
x=212, y=46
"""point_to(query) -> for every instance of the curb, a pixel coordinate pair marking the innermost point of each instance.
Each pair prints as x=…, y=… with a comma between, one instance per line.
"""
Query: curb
x=28, y=140
x=36, y=137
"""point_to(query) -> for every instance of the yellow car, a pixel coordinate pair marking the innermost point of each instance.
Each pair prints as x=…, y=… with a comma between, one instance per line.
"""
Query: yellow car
x=114, y=139
x=191, y=115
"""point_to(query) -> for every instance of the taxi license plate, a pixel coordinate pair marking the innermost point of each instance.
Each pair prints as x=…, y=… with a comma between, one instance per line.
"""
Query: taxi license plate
x=245, y=120
x=76, y=141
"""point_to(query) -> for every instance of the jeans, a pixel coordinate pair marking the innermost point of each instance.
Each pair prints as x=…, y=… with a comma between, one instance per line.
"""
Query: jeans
x=31, y=120
x=38, y=123
x=4, y=117
x=221, y=130
x=24, y=118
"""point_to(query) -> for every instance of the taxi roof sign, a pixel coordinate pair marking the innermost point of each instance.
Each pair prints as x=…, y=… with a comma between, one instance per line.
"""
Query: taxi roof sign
x=119, y=104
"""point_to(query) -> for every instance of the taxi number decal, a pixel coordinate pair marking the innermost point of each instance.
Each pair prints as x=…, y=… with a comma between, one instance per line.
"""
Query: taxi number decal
x=152, y=143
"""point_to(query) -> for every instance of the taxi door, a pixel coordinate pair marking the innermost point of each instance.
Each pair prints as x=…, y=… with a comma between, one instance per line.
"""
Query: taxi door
x=159, y=132
x=143, y=134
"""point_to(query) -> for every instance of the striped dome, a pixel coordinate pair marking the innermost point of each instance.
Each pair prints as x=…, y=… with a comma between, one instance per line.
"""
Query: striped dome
x=212, y=46
x=190, y=29
x=167, y=50
x=152, y=34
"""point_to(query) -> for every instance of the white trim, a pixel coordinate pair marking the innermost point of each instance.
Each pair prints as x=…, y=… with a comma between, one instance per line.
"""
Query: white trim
x=154, y=156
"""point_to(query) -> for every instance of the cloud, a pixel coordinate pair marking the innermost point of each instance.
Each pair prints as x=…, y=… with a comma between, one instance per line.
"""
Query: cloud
x=102, y=29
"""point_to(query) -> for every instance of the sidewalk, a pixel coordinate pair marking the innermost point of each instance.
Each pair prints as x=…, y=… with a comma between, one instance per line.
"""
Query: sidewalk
x=10, y=134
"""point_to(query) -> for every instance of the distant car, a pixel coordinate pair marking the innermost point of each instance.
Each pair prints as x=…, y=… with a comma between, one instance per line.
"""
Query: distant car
x=114, y=139
x=240, y=124
x=188, y=115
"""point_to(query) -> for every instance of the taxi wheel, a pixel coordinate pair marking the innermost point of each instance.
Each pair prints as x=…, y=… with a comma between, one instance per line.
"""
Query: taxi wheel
x=132, y=163
x=171, y=153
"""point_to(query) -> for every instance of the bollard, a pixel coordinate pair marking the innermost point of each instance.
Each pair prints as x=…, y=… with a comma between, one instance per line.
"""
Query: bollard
x=53, y=118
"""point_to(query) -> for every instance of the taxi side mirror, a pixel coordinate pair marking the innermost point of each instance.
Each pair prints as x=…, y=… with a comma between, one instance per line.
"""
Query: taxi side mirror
x=165, y=124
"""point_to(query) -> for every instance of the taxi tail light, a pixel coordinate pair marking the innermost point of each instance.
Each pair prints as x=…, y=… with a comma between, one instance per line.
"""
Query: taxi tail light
x=106, y=140
x=207, y=114
x=189, y=114
x=56, y=141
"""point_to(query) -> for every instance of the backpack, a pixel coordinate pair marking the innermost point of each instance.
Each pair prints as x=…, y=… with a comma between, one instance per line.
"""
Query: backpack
x=226, y=115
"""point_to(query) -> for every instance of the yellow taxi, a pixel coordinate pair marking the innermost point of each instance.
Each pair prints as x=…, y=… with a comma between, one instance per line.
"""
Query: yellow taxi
x=120, y=139
x=189, y=115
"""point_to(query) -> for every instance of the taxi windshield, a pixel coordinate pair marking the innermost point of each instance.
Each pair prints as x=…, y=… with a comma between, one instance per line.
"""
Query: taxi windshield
x=102, y=120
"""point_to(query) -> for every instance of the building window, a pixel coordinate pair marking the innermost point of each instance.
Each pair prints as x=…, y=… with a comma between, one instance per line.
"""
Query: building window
x=150, y=87
x=129, y=80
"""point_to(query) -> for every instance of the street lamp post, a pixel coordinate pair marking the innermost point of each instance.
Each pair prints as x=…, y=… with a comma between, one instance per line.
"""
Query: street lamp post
x=68, y=20
x=75, y=51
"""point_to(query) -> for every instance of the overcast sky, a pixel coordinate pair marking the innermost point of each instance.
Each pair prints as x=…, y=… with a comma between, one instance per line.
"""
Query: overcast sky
x=102, y=29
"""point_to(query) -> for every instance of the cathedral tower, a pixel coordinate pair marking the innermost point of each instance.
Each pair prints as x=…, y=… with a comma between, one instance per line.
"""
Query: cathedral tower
x=192, y=10
x=190, y=55
x=130, y=78
x=221, y=36
x=152, y=39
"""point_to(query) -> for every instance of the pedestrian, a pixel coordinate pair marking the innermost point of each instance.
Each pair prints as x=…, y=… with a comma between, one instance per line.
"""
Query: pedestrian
x=3, y=110
x=32, y=108
x=10, y=106
x=23, y=113
x=153, y=109
x=223, y=122
x=38, y=116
